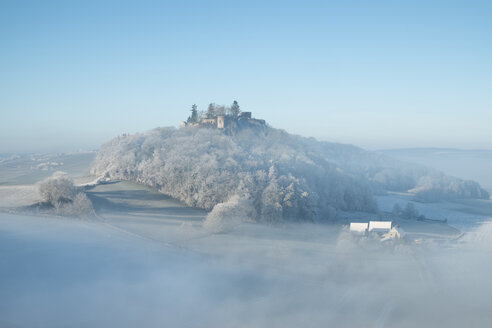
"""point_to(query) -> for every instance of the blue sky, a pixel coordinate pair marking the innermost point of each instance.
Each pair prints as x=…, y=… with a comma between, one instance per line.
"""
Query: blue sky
x=378, y=74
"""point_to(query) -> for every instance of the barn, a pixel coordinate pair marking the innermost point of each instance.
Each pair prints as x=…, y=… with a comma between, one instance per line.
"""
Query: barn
x=359, y=228
x=380, y=226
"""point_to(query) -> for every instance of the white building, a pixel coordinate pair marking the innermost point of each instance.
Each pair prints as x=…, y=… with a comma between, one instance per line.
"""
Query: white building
x=384, y=229
x=359, y=228
x=380, y=226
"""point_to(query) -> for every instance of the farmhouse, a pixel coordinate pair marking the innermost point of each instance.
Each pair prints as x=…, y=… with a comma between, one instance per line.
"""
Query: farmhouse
x=384, y=229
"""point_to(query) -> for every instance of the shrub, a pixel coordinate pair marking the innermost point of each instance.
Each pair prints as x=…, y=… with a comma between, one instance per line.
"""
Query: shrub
x=225, y=216
x=63, y=197
x=57, y=189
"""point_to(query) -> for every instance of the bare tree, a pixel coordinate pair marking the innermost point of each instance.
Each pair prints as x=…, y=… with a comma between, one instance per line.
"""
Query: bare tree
x=220, y=110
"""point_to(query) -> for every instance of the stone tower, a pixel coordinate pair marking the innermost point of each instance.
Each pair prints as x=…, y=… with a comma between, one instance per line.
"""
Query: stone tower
x=220, y=121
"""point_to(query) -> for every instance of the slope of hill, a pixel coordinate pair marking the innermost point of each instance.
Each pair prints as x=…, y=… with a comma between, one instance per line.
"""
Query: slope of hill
x=274, y=174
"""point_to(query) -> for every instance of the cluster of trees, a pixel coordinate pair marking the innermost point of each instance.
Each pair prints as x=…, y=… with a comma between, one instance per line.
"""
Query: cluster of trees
x=212, y=111
x=274, y=171
x=428, y=185
x=437, y=186
x=275, y=174
x=225, y=216
x=62, y=197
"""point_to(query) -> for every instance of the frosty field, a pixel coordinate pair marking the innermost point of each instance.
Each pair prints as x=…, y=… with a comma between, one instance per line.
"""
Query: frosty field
x=144, y=259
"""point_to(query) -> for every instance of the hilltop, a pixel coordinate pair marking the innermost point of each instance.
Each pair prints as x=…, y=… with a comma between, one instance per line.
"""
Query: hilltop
x=228, y=119
x=268, y=174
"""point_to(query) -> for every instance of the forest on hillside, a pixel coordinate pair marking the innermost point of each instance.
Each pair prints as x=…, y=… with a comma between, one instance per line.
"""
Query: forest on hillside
x=269, y=173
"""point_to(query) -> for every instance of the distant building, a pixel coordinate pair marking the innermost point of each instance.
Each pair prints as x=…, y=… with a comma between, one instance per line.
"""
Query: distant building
x=383, y=229
x=359, y=228
x=395, y=233
x=380, y=226
x=245, y=115
x=209, y=121
x=221, y=121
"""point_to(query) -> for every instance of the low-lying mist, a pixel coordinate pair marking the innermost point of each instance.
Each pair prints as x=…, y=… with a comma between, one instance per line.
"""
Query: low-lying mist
x=72, y=273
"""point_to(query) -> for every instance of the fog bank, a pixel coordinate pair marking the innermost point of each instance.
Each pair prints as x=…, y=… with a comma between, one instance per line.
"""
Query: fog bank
x=61, y=273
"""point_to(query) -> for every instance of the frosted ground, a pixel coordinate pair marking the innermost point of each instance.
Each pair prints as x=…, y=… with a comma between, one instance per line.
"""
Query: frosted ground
x=145, y=260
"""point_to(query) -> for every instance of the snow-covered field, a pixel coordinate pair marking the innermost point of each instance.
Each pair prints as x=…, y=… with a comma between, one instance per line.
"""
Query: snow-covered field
x=146, y=260
x=464, y=214
x=15, y=196
x=27, y=169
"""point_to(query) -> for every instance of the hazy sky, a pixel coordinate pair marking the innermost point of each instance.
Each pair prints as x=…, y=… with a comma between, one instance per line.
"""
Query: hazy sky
x=379, y=74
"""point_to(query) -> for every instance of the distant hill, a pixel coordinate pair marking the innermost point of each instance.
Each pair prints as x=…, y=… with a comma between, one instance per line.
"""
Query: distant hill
x=473, y=164
x=279, y=175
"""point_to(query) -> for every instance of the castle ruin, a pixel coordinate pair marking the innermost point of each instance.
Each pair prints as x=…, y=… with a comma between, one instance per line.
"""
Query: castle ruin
x=226, y=121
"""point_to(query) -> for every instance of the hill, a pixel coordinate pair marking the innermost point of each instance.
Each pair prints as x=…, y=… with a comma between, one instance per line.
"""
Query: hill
x=474, y=164
x=268, y=173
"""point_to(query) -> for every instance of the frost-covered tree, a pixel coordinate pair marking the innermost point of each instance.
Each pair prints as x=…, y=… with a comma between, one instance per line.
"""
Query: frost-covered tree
x=57, y=188
x=205, y=167
x=60, y=193
x=282, y=175
x=225, y=216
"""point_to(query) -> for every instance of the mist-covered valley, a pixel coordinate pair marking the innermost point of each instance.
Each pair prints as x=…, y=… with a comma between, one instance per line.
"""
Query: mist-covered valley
x=137, y=255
